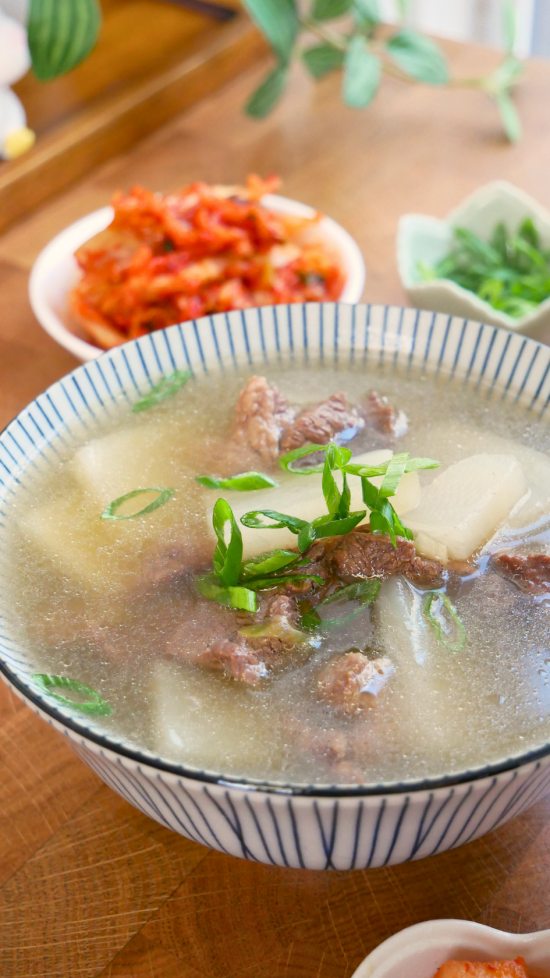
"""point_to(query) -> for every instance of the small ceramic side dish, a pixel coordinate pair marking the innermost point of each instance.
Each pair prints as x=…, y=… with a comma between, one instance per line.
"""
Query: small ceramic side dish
x=426, y=240
x=55, y=271
x=418, y=951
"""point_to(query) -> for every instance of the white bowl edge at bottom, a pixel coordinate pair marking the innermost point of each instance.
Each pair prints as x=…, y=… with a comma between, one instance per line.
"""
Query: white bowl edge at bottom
x=418, y=951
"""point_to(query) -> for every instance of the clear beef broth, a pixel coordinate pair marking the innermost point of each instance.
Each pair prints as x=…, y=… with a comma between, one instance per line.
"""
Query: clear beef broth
x=109, y=620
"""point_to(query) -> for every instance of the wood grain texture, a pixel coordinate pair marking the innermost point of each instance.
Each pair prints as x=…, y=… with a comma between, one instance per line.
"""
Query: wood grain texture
x=90, y=887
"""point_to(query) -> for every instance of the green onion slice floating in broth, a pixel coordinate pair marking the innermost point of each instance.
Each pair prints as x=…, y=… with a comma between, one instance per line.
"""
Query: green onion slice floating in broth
x=243, y=482
x=111, y=512
x=364, y=592
x=166, y=387
x=437, y=621
x=94, y=705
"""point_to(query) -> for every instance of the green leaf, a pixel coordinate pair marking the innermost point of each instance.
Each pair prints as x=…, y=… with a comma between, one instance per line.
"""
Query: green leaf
x=166, y=387
x=509, y=25
x=367, y=10
x=227, y=556
x=94, y=705
x=361, y=74
x=279, y=23
x=403, y=8
x=322, y=59
x=111, y=511
x=61, y=33
x=328, y=9
x=419, y=57
x=243, y=482
x=266, y=96
x=509, y=116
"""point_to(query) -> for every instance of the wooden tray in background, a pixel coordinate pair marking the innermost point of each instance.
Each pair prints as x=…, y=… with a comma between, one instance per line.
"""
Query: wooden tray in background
x=153, y=59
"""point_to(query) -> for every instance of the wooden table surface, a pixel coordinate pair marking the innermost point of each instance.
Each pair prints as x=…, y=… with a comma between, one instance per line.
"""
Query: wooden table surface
x=88, y=885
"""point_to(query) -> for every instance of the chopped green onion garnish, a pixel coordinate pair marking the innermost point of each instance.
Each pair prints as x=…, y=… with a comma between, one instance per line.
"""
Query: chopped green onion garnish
x=244, y=482
x=227, y=556
x=235, y=597
x=166, y=387
x=437, y=621
x=286, y=460
x=268, y=563
x=94, y=705
x=112, y=509
x=363, y=591
x=281, y=520
x=263, y=583
x=276, y=627
x=511, y=272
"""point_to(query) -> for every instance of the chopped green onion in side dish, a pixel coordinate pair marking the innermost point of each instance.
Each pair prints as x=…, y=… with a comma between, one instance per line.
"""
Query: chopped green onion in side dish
x=166, y=387
x=444, y=629
x=94, y=705
x=243, y=482
x=511, y=271
x=364, y=592
x=111, y=512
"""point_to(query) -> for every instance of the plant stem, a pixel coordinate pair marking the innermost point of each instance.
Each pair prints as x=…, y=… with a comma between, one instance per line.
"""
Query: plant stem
x=335, y=40
x=340, y=42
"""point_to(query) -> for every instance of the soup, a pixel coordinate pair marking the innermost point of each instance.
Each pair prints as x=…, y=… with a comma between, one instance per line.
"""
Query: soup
x=394, y=623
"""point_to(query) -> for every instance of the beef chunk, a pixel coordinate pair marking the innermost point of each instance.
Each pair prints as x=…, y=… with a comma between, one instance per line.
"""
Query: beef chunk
x=351, y=682
x=211, y=637
x=365, y=554
x=379, y=414
x=320, y=424
x=530, y=573
x=261, y=415
x=281, y=605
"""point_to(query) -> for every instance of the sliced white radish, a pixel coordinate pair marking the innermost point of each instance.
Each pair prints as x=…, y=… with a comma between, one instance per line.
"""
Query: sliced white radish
x=465, y=504
x=204, y=721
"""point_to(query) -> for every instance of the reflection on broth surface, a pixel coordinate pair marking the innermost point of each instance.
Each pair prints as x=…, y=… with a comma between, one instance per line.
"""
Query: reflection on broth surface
x=401, y=688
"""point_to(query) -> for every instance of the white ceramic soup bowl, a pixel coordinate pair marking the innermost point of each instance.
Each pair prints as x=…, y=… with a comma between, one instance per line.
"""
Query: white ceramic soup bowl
x=55, y=271
x=309, y=826
x=418, y=951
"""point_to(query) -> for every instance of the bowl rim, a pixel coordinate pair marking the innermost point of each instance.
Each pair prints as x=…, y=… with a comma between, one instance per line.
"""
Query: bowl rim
x=143, y=757
x=64, y=243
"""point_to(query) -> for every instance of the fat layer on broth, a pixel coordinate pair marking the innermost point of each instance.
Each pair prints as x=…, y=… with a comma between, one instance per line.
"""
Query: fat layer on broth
x=75, y=580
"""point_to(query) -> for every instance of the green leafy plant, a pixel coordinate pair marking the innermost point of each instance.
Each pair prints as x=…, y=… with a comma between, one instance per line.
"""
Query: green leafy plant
x=61, y=34
x=364, y=50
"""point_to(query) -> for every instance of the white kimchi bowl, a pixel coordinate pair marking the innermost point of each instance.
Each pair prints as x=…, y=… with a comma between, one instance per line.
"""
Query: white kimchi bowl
x=310, y=826
x=55, y=272
x=418, y=951
x=426, y=239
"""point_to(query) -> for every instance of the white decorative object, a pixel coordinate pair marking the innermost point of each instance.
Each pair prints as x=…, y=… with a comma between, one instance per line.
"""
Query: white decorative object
x=418, y=951
x=15, y=136
x=55, y=271
x=427, y=240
